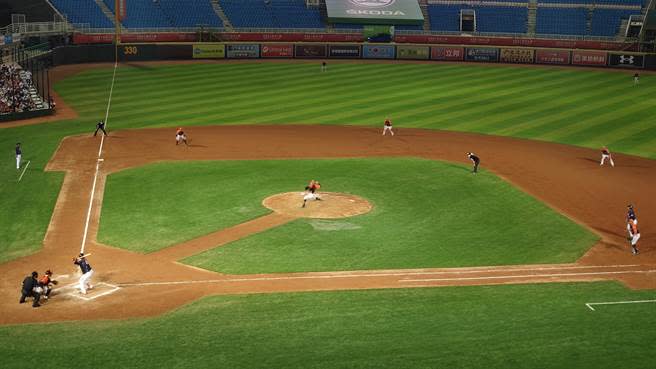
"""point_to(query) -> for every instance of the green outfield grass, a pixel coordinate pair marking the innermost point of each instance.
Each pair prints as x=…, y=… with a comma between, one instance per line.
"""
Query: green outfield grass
x=573, y=106
x=427, y=214
x=522, y=326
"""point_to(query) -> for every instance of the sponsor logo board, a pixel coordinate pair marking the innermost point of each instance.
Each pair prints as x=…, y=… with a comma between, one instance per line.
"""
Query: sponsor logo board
x=277, y=51
x=482, y=54
x=310, y=51
x=447, y=53
x=378, y=51
x=516, y=56
x=412, y=52
x=344, y=51
x=561, y=57
x=243, y=51
x=626, y=60
x=374, y=11
x=587, y=57
x=208, y=51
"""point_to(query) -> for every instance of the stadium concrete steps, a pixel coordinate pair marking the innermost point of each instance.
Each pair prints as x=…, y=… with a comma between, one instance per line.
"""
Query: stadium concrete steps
x=222, y=15
x=423, y=5
x=532, y=17
x=108, y=13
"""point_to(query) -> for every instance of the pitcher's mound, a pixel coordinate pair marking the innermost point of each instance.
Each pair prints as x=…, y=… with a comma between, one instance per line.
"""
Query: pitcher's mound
x=331, y=206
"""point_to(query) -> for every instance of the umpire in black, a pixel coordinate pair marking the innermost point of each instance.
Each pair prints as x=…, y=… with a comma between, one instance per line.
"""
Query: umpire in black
x=475, y=159
x=29, y=284
x=100, y=126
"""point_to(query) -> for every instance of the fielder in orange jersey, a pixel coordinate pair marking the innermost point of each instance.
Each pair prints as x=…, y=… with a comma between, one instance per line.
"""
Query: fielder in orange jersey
x=634, y=235
x=180, y=136
x=605, y=154
x=387, y=126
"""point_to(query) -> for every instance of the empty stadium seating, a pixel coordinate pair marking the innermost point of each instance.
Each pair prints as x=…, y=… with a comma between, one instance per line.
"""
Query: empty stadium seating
x=83, y=12
x=561, y=21
x=490, y=19
x=271, y=14
x=606, y=22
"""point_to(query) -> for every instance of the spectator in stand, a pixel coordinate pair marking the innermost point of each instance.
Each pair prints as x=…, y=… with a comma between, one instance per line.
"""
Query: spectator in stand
x=15, y=89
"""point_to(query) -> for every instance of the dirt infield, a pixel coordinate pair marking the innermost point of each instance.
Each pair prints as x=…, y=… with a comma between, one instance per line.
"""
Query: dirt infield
x=134, y=285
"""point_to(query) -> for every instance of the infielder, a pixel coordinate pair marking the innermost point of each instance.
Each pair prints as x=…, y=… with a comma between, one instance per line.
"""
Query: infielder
x=180, y=136
x=605, y=154
x=634, y=235
x=87, y=272
x=387, y=126
x=19, y=154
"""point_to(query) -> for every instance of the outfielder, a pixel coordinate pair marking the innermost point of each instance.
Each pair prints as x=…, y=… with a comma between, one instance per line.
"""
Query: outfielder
x=387, y=127
x=87, y=272
x=605, y=154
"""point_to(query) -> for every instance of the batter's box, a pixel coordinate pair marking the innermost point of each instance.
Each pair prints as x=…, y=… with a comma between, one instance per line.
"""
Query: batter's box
x=99, y=290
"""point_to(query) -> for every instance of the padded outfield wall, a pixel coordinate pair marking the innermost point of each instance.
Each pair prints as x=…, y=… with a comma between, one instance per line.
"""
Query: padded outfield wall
x=306, y=50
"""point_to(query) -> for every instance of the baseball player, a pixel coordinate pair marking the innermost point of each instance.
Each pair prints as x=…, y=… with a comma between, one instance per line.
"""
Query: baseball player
x=636, y=79
x=324, y=66
x=311, y=192
x=30, y=289
x=100, y=126
x=87, y=272
x=19, y=154
x=180, y=136
x=634, y=235
x=605, y=154
x=630, y=213
x=387, y=126
x=46, y=282
x=474, y=160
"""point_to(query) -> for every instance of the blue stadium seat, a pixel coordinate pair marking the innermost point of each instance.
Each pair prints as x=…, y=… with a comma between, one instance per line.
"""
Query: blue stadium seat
x=86, y=11
x=190, y=13
x=561, y=21
x=606, y=22
x=143, y=14
x=271, y=14
x=491, y=19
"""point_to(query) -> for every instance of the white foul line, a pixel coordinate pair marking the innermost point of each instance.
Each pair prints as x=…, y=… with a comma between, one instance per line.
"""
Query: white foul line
x=264, y=279
x=95, y=176
x=589, y=304
x=24, y=169
x=526, y=276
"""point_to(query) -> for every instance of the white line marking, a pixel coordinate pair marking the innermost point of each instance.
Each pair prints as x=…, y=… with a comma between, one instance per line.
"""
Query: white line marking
x=95, y=176
x=95, y=296
x=256, y=279
x=589, y=304
x=24, y=169
x=527, y=276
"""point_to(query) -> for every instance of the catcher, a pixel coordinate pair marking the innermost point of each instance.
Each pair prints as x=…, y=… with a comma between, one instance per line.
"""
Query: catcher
x=46, y=283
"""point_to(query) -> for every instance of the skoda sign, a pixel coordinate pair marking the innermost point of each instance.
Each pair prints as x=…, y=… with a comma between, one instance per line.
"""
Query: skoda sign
x=372, y=3
x=374, y=12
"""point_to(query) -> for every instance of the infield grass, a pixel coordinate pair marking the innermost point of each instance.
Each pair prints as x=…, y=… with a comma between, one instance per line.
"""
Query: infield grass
x=426, y=214
x=520, y=326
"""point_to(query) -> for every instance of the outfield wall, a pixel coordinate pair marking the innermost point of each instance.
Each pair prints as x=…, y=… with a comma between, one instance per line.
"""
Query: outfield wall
x=352, y=51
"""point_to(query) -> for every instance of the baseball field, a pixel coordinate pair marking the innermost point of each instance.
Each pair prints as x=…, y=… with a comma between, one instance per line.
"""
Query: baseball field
x=205, y=258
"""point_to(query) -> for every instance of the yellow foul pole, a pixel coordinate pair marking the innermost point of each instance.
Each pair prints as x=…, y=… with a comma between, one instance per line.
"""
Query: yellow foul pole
x=117, y=24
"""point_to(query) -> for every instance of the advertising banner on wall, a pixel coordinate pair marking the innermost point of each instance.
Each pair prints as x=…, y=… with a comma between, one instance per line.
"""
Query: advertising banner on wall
x=587, y=57
x=209, y=51
x=378, y=51
x=447, y=53
x=310, y=51
x=374, y=11
x=482, y=54
x=626, y=60
x=412, y=52
x=277, y=51
x=561, y=57
x=524, y=56
x=243, y=51
x=344, y=51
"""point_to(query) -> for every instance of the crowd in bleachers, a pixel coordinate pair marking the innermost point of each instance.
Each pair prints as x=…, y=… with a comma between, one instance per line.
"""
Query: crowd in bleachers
x=15, y=85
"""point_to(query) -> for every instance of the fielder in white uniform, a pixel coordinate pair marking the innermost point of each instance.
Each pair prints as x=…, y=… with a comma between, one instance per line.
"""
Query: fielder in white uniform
x=606, y=155
x=387, y=127
x=19, y=154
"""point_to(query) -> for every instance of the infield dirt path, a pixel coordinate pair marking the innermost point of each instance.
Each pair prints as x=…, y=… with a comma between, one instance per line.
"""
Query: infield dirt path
x=567, y=178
